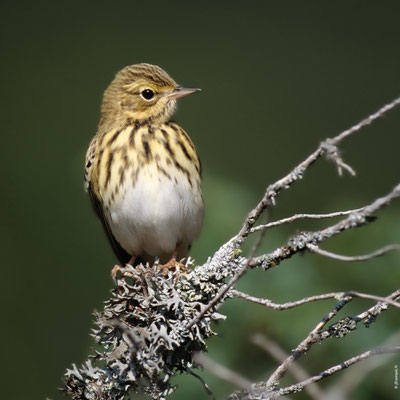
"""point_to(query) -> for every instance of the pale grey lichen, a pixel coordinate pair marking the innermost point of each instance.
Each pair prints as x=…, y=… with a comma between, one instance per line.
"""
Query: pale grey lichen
x=143, y=334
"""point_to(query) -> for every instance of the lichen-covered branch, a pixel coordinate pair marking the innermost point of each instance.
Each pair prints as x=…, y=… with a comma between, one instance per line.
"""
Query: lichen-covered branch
x=338, y=329
x=336, y=368
x=260, y=391
x=156, y=319
x=328, y=148
x=303, y=240
x=270, y=390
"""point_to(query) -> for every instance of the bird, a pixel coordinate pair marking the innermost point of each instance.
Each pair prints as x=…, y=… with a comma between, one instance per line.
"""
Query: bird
x=142, y=170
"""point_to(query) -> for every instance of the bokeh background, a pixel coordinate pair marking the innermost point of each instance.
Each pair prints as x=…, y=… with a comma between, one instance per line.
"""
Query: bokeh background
x=277, y=78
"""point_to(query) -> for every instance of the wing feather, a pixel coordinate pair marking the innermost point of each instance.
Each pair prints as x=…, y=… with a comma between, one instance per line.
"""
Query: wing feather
x=121, y=254
x=91, y=154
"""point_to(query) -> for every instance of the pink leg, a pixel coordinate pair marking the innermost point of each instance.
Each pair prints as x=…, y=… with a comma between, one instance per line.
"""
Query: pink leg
x=172, y=264
x=117, y=268
x=132, y=261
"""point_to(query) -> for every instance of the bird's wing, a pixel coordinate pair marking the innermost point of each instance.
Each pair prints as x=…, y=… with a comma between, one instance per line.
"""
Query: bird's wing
x=121, y=254
x=90, y=160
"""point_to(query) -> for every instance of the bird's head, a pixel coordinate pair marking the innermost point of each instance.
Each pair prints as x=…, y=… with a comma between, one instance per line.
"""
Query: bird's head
x=141, y=92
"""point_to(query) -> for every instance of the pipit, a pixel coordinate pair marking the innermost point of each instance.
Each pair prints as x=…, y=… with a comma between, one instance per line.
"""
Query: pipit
x=142, y=171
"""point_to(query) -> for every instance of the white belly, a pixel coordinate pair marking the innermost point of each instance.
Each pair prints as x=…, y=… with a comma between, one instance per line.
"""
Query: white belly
x=156, y=214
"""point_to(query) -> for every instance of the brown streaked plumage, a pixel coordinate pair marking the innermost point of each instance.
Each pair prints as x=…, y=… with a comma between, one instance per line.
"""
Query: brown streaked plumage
x=142, y=170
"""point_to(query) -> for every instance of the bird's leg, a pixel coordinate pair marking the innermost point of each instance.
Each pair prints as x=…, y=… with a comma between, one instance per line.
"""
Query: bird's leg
x=175, y=253
x=172, y=264
x=132, y=261
x=118, y=268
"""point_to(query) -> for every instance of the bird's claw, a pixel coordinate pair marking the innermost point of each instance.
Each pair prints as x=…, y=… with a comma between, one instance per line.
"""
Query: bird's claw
x=117, y=268
x=172, y=265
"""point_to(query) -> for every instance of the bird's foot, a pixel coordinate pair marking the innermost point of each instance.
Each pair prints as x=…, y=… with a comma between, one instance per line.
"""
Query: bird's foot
x=115, y=271
x=125, y=276
x=117, y=268
x=172, y=265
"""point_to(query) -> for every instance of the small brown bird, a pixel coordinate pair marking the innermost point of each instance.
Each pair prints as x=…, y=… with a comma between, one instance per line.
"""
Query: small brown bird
x=142, y=170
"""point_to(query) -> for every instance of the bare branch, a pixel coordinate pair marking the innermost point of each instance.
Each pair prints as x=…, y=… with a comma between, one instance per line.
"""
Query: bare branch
x=296, y=244
x=156, y=320
x=268, y=390
x=295, y=217
x=298, y=372
x=302, y=240
x=330, y=371
x=378, y=308
x=222, y=372
x=285, y=306
x=366, y=121
x=343, y=386
x=328, y=147
x=313, y=337
x=373, y=297
x=315, y=249
x=292, y=304
x=260, y=239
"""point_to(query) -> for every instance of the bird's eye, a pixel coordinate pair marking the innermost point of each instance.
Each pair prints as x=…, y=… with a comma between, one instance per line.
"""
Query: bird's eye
x=147, y=94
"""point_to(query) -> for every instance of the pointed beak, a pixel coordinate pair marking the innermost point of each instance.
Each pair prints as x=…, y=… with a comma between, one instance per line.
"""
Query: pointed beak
x=181, y=92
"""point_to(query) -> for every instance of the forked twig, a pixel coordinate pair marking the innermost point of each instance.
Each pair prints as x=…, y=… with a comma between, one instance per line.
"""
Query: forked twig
x=327, y=147
x=301, y=241
x=295, y=245
x=332, y=370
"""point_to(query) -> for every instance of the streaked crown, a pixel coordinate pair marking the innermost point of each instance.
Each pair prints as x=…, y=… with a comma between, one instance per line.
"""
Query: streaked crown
x=139, y=92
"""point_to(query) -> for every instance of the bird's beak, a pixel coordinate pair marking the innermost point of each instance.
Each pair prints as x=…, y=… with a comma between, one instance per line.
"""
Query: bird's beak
x=181, y=92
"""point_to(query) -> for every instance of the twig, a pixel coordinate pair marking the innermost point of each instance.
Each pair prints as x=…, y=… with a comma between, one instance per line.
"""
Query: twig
x=313, y=337
x=343, y=386
x=366, y=121
x=295, y=217
x=292, y=304
x=302, y=240
x=220, y=295
x=222, y=372
x=296, y=244
x=298, y=372
x=373, y=297
x=317, y=335
x=268, y=390
x=285, y=306
x=377, y=308
x=330, y=371
x=299, y=242
x=260, y=239
x=328, y=147
x=315, y=249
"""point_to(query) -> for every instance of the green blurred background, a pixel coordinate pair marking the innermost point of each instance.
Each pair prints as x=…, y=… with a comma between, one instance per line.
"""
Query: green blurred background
x=277, y=78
